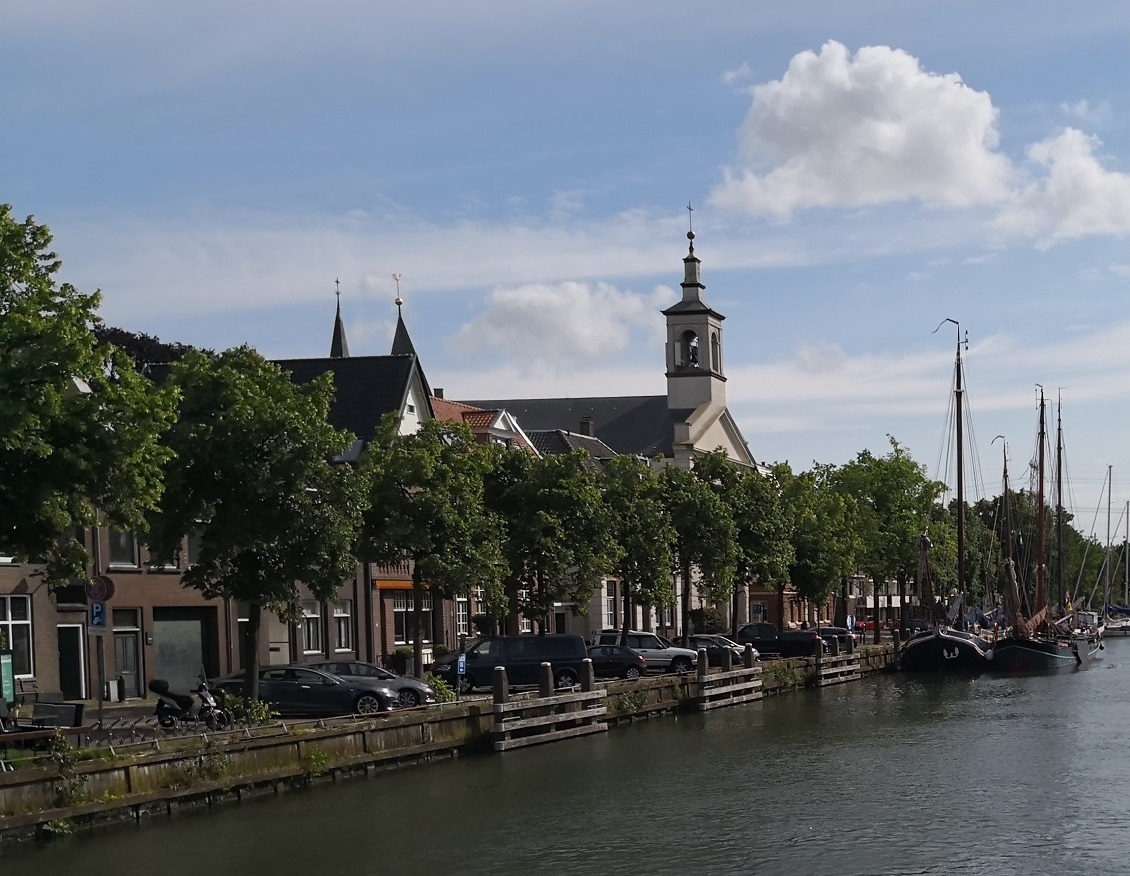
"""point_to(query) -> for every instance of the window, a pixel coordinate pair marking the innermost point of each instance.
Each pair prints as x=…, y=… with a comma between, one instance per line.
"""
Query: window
x=610, y=604
x=462, y=616
x=7, y=552
x=192, y=549
x=15, y=627
x=525, y=625
x=668, y=615
x=402, y=617
x=311, y=628
x=343, y=625
x=123, y=548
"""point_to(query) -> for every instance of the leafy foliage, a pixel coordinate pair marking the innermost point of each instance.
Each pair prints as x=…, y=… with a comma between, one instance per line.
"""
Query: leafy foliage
x=252, y=477
x=78, y=424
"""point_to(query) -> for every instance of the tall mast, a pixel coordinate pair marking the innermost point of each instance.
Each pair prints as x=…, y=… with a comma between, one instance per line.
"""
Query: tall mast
x=1059, y=500
x=958, y=393
x=1041, y=517
x=1106, y=565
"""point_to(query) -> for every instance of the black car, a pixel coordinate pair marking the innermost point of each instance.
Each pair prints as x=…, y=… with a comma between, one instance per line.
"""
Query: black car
x=841, y=634
x=616, y=661
x=715, y=644
x=301, y=692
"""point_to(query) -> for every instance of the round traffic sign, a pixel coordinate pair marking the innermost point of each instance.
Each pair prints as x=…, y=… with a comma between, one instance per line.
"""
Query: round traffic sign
x=99, y=588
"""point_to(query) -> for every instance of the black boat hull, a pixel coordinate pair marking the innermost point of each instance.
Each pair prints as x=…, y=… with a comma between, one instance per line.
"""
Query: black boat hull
x=1016, y=654
x=946, y=650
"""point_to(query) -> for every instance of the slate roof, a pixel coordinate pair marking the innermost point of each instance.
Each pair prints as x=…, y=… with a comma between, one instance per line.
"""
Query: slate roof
x=558, y=441
x=366, y=387
x=638, y=425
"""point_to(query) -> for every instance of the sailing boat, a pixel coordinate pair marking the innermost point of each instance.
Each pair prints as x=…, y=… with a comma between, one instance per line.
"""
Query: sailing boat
x=1038, y=642
x=944, y=648
x=1117, y=617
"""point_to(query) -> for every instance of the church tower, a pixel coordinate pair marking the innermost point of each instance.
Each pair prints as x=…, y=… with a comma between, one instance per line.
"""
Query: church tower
x=694, y=345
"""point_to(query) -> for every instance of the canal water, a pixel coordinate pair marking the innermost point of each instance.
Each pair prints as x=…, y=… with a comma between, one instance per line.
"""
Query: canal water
x=893, y=775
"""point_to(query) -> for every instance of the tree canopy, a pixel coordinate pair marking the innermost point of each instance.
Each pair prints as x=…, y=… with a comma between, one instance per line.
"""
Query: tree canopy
x=78, y=424
x=252, y=478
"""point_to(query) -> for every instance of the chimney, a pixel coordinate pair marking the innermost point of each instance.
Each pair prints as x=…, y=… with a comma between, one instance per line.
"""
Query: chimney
x=438, y=391
x=588, y=427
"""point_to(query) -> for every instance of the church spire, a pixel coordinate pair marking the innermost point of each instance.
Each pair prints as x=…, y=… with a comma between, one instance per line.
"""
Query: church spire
x=401, y=342
x=339, y=348
x=692, y=267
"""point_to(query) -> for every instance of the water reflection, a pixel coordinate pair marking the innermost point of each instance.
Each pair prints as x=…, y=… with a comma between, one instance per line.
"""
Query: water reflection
x=894, y=775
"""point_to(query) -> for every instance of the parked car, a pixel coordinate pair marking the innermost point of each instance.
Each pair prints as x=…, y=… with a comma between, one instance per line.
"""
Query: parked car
x=868, y=623
x=295, y=690
x=842, y=634
x=715, y=644
x=410, y=691
x=616, y=661
x=770, y=641
x=660, y=655
x=521, y=656
x=917, y=624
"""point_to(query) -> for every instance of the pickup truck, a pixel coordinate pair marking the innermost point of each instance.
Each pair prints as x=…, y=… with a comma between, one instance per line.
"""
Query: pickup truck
x=771, y=642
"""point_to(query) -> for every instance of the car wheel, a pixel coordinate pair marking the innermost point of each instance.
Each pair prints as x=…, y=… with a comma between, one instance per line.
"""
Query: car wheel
x=408, y=698
x=565, y=678
x=632, y=673
x=367, y=704
x=681, y=664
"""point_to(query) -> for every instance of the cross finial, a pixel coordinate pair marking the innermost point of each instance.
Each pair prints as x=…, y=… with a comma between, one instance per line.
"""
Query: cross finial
x=690, y=224
x=399, y=300
x=337, y=291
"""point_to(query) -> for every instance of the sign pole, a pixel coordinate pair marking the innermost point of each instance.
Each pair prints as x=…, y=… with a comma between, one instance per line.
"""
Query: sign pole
x=101, y=677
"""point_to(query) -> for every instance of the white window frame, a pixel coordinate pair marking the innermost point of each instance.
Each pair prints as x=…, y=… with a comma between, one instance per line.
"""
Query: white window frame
x=462, y=616
x=135, y=561
x=311, y=627
x=343, y=625
x=7, y=625
x=401, y=608
x=525, y=625
x=610, y=588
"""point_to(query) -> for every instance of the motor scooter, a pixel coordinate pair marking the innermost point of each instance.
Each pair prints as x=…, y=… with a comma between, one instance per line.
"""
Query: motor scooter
x=174, y=708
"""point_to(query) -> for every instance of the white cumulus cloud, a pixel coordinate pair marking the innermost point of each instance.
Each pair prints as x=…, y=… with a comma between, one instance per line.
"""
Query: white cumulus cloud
x=839, y=130
x=1076, y=197
x=562, y=325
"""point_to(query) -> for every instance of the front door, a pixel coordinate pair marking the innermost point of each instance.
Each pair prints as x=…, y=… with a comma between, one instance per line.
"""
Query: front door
x=127, y=653
x=72, y=662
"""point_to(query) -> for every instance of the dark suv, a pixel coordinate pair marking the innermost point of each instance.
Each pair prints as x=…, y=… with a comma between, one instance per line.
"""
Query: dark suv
x=841, y=634
x=522, y=657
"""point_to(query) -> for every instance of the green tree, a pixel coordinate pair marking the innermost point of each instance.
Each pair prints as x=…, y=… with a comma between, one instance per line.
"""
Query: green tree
x=427, y=506
x=763, y=526
x=824, y=532
x=643, y=533
x=705, y=539
x=253, y=479
x=557, y=540
x=893, y=499
x=78, y=424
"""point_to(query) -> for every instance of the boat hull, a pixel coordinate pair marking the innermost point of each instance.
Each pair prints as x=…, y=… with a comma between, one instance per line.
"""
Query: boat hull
x=946, y=650
x=1015, y=654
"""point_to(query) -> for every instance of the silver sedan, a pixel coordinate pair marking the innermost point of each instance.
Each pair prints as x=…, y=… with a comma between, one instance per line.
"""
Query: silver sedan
x=410, y=691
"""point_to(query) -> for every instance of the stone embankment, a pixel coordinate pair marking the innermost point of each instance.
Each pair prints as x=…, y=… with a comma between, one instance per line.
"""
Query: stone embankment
x=69, y=788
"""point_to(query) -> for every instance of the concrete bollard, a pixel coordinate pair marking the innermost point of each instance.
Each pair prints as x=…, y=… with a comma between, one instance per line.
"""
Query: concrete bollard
x=748, y=656
x=588, y=675
x=545, y=680
x=501, y=686
x=850, y=644
x=703, y=666
x=727, y=659
x=835, y=643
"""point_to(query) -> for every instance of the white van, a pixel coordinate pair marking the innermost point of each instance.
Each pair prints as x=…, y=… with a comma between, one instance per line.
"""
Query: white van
x=659, y=654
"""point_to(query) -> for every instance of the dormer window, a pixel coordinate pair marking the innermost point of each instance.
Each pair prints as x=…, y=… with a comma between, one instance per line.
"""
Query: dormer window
x=410, y=408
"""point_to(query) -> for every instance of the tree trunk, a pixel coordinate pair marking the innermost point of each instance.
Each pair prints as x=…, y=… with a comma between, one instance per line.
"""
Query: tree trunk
x=251, y=658
x=686, y=573
x=417, y=620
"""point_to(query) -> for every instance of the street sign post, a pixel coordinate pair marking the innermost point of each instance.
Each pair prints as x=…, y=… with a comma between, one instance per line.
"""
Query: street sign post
x=97, y=622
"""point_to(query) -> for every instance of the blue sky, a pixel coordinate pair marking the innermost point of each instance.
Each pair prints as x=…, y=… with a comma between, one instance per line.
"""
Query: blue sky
x=859, y=172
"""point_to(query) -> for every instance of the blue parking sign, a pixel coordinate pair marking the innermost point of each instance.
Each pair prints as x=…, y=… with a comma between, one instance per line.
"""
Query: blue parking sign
x=98, y=617
x=461, y=665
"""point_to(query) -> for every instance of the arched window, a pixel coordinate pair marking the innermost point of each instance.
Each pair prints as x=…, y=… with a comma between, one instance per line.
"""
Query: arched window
x=715, y=353
x=688, y=348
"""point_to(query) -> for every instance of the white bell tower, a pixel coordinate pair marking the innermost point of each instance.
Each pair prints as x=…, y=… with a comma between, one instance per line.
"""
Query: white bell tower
x=694, y=345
